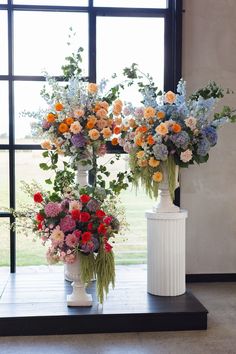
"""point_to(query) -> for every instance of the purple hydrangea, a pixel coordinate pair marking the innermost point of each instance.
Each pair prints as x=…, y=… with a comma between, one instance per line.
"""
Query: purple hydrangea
x=211, y=135
x=181, y=140
x=93, y=205
x=203, y=147
x=78, y=140
x=160, y=151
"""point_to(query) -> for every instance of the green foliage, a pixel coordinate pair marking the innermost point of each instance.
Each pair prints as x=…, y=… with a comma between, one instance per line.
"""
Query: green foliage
x=105, y=273
x=212, y=89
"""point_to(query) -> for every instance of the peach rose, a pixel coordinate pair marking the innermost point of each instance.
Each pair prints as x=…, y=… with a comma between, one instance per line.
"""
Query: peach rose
x=162, y=129
x=106, y=132
x=102, y=123
x=160, y=115
x=101, y=113
x=140, y=154
x=170, y=97
x=75, y=128
x=92, y=88
x=78, y=112
x=153, y=163
x=46, y=145
x=94, y=134
x=149, y=112
x=157, y=177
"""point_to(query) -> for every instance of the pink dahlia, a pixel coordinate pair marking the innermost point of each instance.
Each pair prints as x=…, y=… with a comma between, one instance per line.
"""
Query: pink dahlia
x=71, y=240
x=52, y=209
x=67, y=224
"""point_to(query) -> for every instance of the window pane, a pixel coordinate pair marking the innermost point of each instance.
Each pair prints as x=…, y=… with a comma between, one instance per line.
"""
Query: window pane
x=4, y=135
x=132, y=3
x=53, y=2
x=5, y=246
x=4, y=179
x=3, y=43
x=128, y=46
x=130, y=248
x=47, y=40
x=27, y=98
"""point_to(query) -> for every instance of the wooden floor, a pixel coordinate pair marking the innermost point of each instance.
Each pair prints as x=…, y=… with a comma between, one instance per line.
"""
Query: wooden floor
x=34, y=303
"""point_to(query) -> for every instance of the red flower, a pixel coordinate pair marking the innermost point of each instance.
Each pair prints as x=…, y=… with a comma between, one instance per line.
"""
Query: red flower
x=100, y=214
x=90, y=226
x=84, y=216
x=107, y=220
x=85, y=198
x=38, y=197
x=77, y=233
x=102, y=229
x=40, y=226
x=86, y=236
x=39, y=217
x=75, y=214
x=107, y=247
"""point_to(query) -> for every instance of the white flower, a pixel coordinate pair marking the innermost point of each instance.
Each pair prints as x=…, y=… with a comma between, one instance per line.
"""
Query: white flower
x=73, y=149
x=191, y=122
x=186, y=155
x=75, y=128
x=67, y=135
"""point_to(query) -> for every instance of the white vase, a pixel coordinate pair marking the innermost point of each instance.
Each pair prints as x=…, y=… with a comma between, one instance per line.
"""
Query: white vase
x=78, y=297
x=82, y=176
x=165, y=203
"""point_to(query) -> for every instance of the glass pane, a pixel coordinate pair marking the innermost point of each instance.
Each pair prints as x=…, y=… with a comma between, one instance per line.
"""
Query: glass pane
x=131, y=247
x=4, y=134
x=4, y=179
x=27, y=98
x=53, y=2
x=5, y=246
x=137, y=46
x=47, y=40
x=3, y=43
x=132, y=3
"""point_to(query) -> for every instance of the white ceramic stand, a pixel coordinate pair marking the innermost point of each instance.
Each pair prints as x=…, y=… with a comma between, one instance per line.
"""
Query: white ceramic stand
x=78, y=297
x=166, y=252
x=82, y=180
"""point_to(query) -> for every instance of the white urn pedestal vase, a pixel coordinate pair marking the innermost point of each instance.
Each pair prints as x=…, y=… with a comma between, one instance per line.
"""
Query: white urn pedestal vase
x=82, y=176
x=79, y=296
x=166, y=245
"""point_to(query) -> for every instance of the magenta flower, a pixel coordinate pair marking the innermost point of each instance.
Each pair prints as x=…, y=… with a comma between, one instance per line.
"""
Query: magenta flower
x=71, y=240
x=67, y=224
x=52, y=209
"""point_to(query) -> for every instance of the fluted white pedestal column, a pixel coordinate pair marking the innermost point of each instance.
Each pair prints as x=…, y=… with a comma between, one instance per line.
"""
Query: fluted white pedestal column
x=166, y=253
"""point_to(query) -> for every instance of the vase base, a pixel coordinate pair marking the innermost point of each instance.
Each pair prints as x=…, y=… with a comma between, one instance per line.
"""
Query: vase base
x=72, y=302
x=166, y=209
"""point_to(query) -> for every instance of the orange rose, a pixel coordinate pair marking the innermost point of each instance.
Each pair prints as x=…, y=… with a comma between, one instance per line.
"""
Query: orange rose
x=170, y=97
x=150, y=140
x=51, y=117
x=160, y=115
x=118, y=120
x=157, y=177
x=149, y=112
x=176, y=128
x=140, y=154
x=138, y=141
x=69, y=120
x=63, y=128
x=92, y=88
x=58, y=106
x=90, y=124
x=143, y=129
x=114, y=141
x=94, y=134
x=116, y=130
x=132, y=122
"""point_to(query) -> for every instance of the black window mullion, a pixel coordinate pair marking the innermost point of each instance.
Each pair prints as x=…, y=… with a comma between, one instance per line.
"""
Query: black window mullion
x=11, y=137
x=92, y=43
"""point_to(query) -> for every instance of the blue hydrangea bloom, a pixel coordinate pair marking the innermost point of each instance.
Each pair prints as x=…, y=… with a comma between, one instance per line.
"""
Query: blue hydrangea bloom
x=203, y=147
x=181, y=140
x=211, y=135
x=160, y=151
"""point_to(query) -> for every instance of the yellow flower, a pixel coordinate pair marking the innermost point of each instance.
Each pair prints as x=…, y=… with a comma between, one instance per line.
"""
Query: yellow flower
x=106, y=132
x=92, y=88
x=162, y=129
x=46, y=145
x=140, y=154
x=149, y=112
x=94, y=134
x=157, y=177
x=170, y=97
x=153, y=163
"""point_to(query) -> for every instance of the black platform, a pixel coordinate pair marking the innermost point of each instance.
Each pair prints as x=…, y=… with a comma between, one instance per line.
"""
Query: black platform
x=35, y=304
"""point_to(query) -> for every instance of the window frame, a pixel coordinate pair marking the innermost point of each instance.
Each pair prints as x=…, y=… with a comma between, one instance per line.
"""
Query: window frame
x=172, y=15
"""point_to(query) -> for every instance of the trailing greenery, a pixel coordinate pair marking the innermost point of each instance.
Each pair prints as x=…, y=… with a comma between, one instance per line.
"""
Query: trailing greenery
x=171, y=167
x=87, y=266
x=105, y=273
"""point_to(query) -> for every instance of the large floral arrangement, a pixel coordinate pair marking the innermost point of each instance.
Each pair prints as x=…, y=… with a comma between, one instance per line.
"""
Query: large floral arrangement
x=169, y=129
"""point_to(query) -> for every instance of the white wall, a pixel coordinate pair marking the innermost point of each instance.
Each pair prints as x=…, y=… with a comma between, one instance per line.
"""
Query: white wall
x=208, y=191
